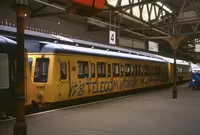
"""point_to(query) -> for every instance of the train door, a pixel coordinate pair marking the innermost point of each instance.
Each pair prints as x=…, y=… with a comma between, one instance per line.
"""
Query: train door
x=109, y=80
x=64, y=79
x=115, y=76
x=102, y=86
x=92, y=84
x=128, y=78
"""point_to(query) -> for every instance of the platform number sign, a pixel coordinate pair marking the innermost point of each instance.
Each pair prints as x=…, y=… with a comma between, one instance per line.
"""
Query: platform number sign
x=112, y=37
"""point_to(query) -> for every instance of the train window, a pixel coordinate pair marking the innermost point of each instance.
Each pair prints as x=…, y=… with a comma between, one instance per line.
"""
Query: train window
x=4, y=71
x=156, y=70
x=149, y=71
x=132, y=70
x=30, y=61
x=109, y=70
x=82, y=69
x=145, y=70
x=122, y=70
x=63, y=71
x=92, y=70
x=152, y=71
x=115, y=68
x=41, y=70
x=160, y=70
x=141, y=70
x=101, y=68
x=127, y=70
x=136, y=70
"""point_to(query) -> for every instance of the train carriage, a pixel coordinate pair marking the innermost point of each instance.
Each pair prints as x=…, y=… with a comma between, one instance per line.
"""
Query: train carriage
x=7, y=94
x=7, y=47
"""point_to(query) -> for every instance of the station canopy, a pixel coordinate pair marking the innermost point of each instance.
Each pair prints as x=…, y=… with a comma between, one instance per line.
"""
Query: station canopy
x=155, y=20
x=146, y=12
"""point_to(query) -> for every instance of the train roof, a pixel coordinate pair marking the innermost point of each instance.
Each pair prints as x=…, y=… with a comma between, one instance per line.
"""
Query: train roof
x=65, y=48
x=179, y=62
x=4, y=40
x=7, y=45
x=90, y=44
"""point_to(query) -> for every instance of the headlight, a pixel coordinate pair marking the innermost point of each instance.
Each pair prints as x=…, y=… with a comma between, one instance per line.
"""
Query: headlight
x=40, y=95
x=193, y=80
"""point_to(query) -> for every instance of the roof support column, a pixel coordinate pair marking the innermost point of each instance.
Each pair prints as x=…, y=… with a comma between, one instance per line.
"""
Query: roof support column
x=174, y=42
x=20, y=127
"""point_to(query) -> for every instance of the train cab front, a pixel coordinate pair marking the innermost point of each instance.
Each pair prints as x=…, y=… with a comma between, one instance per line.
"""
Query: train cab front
x=41, y=74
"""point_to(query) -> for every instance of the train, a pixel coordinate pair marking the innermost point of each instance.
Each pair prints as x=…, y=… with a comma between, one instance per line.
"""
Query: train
x=60, y=72
x=8, y=76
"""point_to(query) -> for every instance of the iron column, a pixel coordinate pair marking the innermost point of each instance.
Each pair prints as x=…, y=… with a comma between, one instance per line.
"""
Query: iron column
x=175, y=43
x=20, y=127
x=175, y=78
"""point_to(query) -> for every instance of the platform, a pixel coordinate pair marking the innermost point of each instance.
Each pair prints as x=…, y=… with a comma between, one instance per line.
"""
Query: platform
x=151, y=113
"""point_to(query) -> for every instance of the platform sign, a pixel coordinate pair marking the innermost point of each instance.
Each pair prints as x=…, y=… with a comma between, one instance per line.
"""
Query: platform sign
x=112, y=37
x=197, y=48
x=153, y=46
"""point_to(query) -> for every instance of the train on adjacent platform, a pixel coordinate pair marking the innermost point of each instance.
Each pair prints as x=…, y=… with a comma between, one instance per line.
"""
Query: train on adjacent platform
x=8, y=76
x=58, y=72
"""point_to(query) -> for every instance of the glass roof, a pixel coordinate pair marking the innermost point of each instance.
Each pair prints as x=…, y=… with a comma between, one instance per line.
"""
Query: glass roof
x=149, y=11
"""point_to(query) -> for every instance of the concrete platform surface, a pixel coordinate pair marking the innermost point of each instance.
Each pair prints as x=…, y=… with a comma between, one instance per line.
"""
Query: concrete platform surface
x=152, y=113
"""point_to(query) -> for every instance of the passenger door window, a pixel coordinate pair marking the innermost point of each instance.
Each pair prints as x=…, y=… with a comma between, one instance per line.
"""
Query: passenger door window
x=63, y=71
x=109, y=70
x=132, y=70
x=101, y=68
x=115, y=70
x=92, y=70
x=122, y=70
x=127, y=70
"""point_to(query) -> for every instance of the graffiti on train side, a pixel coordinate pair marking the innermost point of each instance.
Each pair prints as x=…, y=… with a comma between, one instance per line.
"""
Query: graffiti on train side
x=79, y=89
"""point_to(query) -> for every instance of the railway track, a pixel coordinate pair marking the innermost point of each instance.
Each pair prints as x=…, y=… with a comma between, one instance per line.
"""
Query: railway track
x=3, y=117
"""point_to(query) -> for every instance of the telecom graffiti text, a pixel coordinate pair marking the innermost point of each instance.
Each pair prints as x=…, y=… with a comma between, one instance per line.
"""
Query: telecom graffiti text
x=79, y=89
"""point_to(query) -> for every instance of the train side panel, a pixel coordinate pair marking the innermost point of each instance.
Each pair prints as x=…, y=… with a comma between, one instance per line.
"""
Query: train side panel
x=75, y=76
x=72, y=76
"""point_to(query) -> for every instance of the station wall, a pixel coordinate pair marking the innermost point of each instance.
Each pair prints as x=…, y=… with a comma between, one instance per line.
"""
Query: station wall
x=69, y=26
